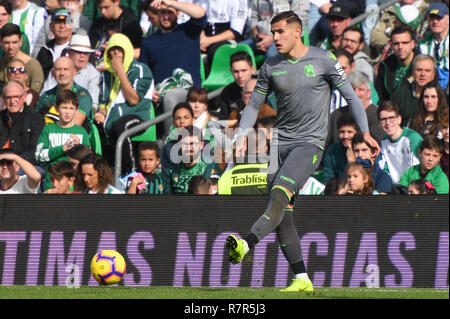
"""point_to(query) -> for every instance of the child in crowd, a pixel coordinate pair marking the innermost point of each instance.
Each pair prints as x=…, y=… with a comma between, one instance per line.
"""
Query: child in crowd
x=421, y=187
x=361, y=149
x=182, y=116
x=359, y=178
x=146, y=179
x=62, y=176
x=96, y=176
x=200, y=185
x=58, y=138
x=430, y=153
x=197, y=98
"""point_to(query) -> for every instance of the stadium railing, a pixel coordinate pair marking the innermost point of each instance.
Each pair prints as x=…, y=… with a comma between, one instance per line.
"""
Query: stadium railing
x=133, y=131
x=372, y=12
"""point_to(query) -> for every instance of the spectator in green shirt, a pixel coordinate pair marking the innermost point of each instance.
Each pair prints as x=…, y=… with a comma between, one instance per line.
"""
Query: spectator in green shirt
x=430, y=153
x=188, y=162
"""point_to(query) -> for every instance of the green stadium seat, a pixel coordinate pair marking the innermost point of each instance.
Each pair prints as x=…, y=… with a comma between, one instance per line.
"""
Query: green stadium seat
x=150, y=133
x=96, y=141
x=220, y=74
x=202, y=69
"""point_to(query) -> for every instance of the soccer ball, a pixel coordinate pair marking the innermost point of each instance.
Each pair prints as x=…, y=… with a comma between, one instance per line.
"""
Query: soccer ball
x=108, y=267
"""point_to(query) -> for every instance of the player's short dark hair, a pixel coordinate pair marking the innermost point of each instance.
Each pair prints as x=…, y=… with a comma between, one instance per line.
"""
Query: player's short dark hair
x=289, y=16
x=148, y=145
x=388, y=106
x=7, y=6
x=346, y=120
x=182, y=105
x=403, y=29
x=348, y=55
x=241, y=56
x=431, y=142
x=355, y=28
x=67, y=96
x=10, y=29
x=60, y=169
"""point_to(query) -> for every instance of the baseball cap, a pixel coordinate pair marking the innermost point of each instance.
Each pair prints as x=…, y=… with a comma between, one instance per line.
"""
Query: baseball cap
x=408, y=15
x=60, y=14
x=338, y=11
x=438, y=8
x=80, y=43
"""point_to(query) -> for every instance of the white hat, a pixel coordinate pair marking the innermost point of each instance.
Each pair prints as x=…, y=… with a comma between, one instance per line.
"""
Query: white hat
x=80, y=43
x=408, y=15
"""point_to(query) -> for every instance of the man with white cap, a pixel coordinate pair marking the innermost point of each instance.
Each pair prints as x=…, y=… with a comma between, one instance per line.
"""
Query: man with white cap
x=87, y=76
x=436, y=43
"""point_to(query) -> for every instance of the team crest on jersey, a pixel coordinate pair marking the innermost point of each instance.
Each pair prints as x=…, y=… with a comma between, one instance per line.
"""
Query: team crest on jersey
x=309, y=71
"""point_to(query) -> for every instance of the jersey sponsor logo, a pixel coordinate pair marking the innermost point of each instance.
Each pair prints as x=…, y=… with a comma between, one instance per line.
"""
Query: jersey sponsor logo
x=279, y=73
x=309, y=71
x=314, y=158
x=287, y=179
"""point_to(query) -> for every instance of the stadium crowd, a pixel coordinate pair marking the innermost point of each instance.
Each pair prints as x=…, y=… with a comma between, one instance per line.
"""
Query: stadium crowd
x=76, y=74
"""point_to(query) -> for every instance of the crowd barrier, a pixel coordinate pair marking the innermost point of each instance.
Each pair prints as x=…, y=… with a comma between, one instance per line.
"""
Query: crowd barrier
x=347, y=241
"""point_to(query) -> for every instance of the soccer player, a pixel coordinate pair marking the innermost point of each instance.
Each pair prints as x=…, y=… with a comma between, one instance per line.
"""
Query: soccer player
x=301, y=78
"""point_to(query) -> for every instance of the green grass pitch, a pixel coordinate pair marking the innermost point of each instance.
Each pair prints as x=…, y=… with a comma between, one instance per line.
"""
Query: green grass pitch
x=165, y=292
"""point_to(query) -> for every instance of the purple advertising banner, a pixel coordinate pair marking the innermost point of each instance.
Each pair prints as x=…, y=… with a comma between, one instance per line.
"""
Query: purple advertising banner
x=378, y=241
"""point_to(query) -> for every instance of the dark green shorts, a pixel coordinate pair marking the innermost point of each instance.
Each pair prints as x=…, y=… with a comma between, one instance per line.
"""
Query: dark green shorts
x=293, y=165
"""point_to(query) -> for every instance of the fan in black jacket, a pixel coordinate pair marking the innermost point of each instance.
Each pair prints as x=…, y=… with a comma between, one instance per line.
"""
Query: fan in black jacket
x=20, y=125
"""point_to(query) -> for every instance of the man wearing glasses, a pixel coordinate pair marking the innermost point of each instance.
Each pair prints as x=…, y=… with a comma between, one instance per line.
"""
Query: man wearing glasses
x=399, y=148
x=187, y=161
x=87, y=76
x=20, y=125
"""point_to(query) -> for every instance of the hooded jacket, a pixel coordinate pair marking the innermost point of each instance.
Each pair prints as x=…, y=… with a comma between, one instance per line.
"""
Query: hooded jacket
x=111, y=96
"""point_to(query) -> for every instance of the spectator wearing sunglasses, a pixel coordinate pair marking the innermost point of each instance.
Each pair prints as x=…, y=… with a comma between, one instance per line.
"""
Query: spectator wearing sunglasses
x=13, y=183
x=17, y=71
x=11, y=41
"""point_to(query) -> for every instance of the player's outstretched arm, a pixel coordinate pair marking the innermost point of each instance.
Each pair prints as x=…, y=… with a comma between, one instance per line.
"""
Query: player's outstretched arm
x=247, y=121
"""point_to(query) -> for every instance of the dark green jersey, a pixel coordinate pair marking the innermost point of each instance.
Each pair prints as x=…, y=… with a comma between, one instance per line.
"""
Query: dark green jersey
x=177, y=176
